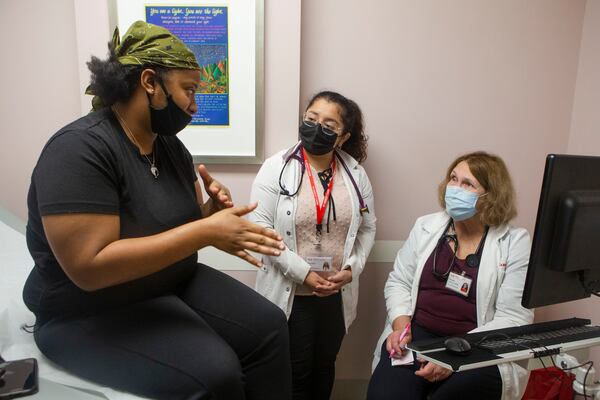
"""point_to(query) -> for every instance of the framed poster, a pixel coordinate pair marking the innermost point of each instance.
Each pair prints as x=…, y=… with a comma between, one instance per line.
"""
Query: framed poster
x=227, y=38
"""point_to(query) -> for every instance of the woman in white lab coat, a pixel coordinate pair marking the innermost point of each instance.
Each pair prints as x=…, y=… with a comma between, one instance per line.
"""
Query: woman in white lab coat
x=318, y=196
x=461, y=270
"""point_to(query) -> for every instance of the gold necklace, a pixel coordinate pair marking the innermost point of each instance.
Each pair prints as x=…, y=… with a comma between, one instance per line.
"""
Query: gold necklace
x=153, y=168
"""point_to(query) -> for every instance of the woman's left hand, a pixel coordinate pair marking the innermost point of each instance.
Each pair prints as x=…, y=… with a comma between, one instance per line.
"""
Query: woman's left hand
x=219, y=193
x=341, y=278
x=336, y=282
x=433, y=372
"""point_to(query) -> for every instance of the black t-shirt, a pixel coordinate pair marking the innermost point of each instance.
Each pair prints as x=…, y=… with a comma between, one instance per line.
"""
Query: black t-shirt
x=90, y=166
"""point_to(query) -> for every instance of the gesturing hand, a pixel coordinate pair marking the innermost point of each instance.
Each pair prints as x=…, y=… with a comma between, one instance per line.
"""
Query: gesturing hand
x=433, y=372
x=235, y=235
x=218, y=193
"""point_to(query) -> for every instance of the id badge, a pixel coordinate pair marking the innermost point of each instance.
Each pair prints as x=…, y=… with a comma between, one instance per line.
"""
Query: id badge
x=320, y=263
x=460, y=284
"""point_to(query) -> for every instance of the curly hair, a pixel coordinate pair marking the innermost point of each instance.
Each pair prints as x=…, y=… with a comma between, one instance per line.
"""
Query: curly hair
x=352, y=119
x=113, y=81
x=498, y=206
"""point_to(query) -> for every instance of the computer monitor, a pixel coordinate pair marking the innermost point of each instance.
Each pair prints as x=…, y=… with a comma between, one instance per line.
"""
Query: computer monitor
x=565, y=253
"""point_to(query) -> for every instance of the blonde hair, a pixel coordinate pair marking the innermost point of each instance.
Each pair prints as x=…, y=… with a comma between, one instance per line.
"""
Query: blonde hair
x=497, y=207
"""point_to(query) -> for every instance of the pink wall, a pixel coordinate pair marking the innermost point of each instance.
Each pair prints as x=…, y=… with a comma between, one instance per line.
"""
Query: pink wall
x=43, y=89
x=433, y=78
x=39, y=81
x=436, y=79
x=585, y=125
x=584, y=139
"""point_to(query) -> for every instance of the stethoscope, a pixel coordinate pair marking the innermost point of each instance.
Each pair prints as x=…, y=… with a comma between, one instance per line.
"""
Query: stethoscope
x=472, y=260
x=296, y=154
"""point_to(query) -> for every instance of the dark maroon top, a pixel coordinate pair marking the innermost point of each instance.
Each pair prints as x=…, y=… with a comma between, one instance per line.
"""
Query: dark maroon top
x=442, y=310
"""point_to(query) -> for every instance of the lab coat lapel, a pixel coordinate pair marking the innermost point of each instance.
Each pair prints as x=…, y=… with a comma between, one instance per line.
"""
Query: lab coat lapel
x=488, y=271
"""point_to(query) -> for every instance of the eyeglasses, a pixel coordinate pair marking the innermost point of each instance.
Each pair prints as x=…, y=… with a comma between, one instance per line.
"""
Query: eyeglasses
x=329, y=127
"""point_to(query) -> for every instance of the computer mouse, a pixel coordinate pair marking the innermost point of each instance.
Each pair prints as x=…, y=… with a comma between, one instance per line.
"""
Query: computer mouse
x=457, y=345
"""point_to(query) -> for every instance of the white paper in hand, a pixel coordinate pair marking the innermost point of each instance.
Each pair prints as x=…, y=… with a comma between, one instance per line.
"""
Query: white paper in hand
x=406, y=358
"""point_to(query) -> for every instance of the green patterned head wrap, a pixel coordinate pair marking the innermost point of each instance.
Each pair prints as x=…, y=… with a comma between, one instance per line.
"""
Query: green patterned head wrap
x=146, y=44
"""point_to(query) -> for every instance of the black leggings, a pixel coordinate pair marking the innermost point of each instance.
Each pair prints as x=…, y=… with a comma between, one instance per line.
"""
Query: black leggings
x=400, y=382
x=216, y=339
x=316, y=331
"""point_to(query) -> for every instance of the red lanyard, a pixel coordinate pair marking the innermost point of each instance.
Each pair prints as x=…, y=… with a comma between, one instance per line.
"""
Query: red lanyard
x=320, y=208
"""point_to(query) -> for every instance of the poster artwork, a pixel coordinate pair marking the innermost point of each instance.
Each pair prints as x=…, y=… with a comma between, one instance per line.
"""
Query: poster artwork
x=204, y=30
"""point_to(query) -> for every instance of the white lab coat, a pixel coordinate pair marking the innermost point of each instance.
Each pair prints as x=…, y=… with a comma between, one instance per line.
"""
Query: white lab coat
x=500, y=284
x=280, y=275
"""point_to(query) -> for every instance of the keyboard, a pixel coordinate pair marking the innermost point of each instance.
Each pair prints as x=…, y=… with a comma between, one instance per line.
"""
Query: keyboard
x=512, y=344
x=500, y=344
x=508, y=340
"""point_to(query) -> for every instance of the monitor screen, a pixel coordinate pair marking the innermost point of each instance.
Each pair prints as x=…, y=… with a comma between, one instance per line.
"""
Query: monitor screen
x=565, y=255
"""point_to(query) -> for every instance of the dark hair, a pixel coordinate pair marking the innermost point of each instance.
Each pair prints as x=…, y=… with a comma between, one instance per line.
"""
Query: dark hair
x=113, y=81
x=352, y=119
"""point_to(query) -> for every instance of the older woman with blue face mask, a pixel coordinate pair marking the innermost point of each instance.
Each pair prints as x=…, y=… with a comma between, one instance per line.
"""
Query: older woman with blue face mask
x=461, y=270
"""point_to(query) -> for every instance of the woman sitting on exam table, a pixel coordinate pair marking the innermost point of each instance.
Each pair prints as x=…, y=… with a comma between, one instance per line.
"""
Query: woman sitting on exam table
x=461, y=270
x=116, y=217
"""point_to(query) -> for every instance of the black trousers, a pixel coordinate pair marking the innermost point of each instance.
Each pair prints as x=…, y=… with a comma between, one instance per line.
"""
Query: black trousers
x=400, y=382
x=316, y=327
x=216, y=339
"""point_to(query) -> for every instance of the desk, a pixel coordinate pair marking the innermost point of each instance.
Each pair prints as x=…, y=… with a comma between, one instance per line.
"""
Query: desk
x=479, y=358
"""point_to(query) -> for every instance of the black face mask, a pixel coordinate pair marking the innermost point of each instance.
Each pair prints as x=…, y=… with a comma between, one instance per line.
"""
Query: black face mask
x=316, y=140
x=170, y=120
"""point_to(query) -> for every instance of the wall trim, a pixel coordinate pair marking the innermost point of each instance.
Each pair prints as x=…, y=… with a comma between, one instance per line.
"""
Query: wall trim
x=384, y=251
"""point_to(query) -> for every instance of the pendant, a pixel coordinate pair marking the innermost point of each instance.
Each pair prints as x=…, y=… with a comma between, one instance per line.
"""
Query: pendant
x=318, y=235
x=154, y=171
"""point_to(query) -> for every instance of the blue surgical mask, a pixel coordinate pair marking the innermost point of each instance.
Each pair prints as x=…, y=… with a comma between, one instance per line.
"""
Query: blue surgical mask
x=460, y=203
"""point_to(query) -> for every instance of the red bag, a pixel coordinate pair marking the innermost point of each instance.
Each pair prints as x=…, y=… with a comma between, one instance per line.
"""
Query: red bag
x=549, y=384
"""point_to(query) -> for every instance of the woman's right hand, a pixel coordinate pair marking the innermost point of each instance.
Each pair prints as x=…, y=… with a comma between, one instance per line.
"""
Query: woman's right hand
x=394, y=343
x=320, y=286
x=236, y=236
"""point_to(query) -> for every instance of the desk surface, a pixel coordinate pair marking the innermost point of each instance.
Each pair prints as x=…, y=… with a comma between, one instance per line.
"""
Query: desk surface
x=479, y=358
